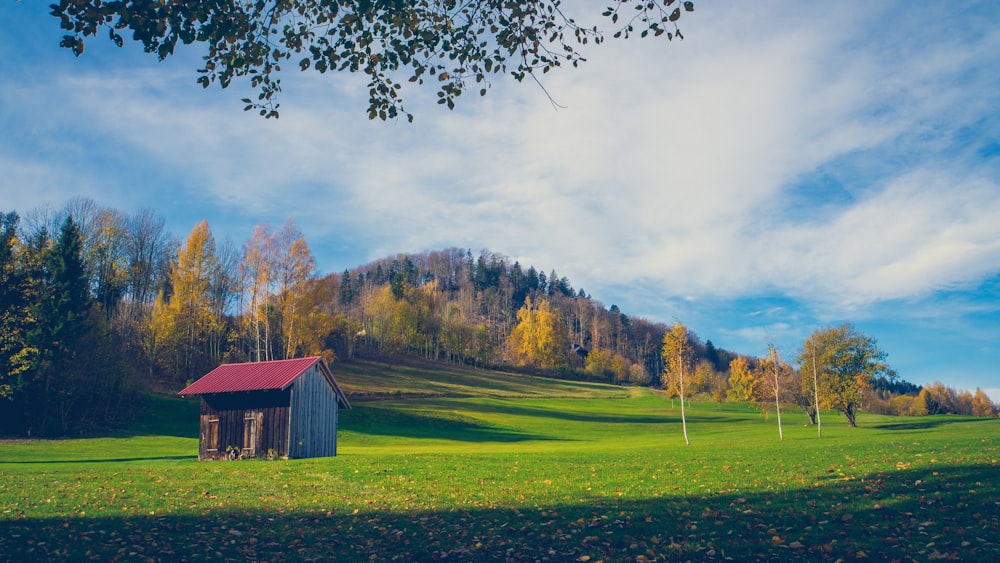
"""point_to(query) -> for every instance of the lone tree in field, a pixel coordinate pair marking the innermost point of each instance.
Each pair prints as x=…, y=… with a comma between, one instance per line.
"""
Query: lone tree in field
x=453, y=45
x=775, y=374
x=842, y=363
x=678, y=361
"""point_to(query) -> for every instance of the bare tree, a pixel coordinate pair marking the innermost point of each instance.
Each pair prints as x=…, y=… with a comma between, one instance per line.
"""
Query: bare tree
x=774, y=372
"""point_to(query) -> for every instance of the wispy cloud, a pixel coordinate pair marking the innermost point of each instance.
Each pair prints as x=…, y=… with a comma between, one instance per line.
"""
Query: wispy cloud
x=841, y=158
x=923, y=232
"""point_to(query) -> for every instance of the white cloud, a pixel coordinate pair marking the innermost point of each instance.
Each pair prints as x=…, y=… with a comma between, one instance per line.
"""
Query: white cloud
x=674, y=162
x=809, y=161
x=993, y=393
x=27, y=184
x=925, y=231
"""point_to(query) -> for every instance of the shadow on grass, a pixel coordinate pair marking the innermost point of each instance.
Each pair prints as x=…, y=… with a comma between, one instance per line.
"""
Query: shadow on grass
x=437, y=419
x=164, y=415
x=435, y=379
x=105, y=460
x=157, y=415
x=951, y=513
x=927, y=422
x=562, y=412
x=418, y=424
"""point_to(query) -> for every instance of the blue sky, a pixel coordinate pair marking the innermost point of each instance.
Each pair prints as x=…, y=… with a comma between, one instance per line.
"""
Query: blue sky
x=786, y=167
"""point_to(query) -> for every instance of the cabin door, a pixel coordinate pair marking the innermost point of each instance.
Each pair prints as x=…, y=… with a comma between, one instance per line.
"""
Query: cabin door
x=252, y=434
x=209, y=436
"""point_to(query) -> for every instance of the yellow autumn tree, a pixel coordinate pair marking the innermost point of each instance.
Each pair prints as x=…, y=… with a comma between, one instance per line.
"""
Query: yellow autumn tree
x=620, y=368
x=257, y=271
x=900, y=405
x=295, y=267
x=155, y=333
x=312, y=322
x=678, y=363
x=275, y=272
x=539, y=339
x=921, y=404
x=457, y=335
x=982, y=406
x=702, y=379
x=719, y=383
x=386, y=319
x=427, y=303
x=743, y=383
x=598, y=363
x=188, y=319
x=106, y=246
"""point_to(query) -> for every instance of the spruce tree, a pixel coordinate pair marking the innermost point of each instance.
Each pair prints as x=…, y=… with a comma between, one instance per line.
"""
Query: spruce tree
x=12, y=309
x=61, y=310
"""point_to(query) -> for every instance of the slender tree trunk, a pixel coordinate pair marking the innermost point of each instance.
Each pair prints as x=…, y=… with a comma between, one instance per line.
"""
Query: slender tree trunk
x=267, y=338
x=683, y=418
x=819, y=423
x=255, y=316
x=290, y=337
x=112, y=393
x=776, y=360
x=43, y=425
x=777, y=408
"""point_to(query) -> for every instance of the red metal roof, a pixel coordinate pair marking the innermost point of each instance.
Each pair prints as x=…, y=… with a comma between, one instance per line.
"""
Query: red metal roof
x=253, y=376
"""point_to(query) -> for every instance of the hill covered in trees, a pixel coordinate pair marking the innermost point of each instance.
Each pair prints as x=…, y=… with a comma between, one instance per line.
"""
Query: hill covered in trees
x=114, y=305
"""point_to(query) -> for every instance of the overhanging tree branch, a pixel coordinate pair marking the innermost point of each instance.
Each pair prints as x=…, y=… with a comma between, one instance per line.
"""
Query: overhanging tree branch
x=460, y=43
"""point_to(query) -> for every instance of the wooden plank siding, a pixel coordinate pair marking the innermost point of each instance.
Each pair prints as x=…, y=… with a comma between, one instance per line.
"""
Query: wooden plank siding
x=281, y=408
x=248, y=424
x=313, y=415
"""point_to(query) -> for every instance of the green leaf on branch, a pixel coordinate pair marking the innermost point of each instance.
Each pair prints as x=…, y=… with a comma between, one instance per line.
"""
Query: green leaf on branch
x=460, y=45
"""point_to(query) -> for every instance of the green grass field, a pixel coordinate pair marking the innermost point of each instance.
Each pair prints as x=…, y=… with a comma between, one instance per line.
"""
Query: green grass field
x=472, y=465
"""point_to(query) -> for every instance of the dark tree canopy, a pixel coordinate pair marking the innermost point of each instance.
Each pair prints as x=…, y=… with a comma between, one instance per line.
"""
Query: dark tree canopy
x=455, y=45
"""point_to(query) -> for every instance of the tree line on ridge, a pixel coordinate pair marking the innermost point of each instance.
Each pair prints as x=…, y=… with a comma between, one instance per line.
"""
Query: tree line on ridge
x=98, y=306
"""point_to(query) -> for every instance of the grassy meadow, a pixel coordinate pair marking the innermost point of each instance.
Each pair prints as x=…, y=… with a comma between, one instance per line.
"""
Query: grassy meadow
x=458, y=464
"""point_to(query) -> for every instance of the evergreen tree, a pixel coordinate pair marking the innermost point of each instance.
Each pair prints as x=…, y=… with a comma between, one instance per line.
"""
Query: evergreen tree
x=531, y=280
x=346, y=288
x=519, y=285
x=554, y=283
x=61, y=311
x=712, y=355
x=12, y=309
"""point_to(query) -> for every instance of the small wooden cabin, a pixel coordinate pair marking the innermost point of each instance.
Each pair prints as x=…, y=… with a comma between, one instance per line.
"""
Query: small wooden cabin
x=283, y=408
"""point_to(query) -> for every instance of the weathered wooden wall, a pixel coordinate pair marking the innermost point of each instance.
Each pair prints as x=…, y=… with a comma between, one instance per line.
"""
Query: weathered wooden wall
x=244, y=425
x=313, y=416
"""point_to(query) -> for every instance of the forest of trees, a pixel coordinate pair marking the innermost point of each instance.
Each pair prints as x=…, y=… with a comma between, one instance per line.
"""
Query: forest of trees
x=838, y=369
x=98, y=306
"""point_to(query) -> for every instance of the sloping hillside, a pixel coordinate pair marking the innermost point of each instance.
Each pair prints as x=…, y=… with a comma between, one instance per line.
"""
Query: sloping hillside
x=371, y=380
